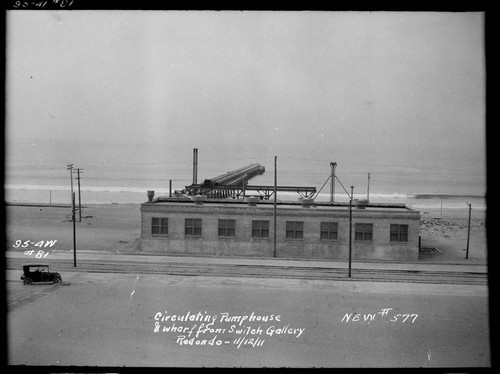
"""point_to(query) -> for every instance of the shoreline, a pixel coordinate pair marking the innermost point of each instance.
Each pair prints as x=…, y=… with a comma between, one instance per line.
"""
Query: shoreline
x=119, y=195
x=445, y=196
x=60, y=205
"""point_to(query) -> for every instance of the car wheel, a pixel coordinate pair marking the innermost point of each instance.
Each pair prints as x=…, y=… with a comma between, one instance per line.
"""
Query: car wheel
x=27, y=281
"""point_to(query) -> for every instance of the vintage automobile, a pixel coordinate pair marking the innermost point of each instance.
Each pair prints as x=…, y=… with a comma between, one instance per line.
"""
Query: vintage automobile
x=39, y=273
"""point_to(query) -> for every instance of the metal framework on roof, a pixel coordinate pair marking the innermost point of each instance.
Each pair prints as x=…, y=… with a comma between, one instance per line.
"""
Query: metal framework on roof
x=239, y=191
x=234, y=184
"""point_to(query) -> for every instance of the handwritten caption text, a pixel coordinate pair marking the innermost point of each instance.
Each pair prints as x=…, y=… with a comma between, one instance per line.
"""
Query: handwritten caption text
x=246, y=330
x=385, y=312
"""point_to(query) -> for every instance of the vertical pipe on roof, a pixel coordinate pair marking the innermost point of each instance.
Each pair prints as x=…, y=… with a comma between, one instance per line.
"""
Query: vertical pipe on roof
x=333, y=165
x=195, y=165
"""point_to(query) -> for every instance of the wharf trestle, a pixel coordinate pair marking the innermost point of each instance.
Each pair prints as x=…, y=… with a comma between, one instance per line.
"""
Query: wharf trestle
x=239, y=191
x=234, y=184
x=236, y=177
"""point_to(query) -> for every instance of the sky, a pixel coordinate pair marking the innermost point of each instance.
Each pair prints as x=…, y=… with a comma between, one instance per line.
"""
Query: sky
x=395, y=82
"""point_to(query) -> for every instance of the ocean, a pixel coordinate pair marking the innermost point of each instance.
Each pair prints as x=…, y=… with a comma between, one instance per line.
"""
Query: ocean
x=122, y=172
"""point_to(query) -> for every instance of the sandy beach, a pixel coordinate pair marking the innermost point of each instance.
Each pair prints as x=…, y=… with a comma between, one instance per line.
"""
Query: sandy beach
x=445, y=240
x=102, y=227
x=116, y=228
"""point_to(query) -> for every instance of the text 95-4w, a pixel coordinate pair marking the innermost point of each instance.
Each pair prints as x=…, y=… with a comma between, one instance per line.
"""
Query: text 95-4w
x=40, y=244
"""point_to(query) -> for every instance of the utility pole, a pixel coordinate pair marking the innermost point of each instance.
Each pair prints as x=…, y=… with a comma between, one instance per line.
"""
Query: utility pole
x=70, y=168
x=350, y=229
x=79, y=196
x=275, y=201
x=368, y=189
x=74, y=229
x=468, y=233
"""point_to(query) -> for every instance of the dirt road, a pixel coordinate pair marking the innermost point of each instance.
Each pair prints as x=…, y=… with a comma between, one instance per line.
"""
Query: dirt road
x=164, y=320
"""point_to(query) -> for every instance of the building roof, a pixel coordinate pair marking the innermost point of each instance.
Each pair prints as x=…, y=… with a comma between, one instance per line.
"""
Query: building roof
x=358, y=205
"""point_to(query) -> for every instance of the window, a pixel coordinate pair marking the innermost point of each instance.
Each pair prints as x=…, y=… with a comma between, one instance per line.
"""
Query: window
x=227, y=227
x=363, y=232
x=260, y=229
x=193, y=227
x=294, y=230
x=399, y=233
x=328, y=231
x=159, y=226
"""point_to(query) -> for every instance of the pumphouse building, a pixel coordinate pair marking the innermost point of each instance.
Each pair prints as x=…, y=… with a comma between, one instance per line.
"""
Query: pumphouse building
x=319, y=231
x=197, y=221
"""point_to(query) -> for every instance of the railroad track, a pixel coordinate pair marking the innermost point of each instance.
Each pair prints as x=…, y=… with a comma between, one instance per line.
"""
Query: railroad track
x=269, y=271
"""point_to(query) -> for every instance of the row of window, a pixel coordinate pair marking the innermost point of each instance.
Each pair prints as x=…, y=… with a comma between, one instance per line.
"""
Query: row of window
x=294, y=229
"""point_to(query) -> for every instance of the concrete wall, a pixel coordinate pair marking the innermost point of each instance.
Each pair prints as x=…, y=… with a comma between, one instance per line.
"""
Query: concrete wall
x=380, y=248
